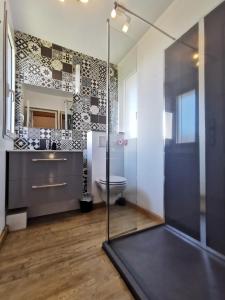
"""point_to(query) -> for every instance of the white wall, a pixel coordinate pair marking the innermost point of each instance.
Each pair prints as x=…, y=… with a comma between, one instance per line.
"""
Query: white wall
x=126, y=68
x=96, y=154
x=177, y=19
x=4, y=142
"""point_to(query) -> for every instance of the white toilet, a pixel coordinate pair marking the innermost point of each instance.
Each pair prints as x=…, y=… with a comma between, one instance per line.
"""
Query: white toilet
x=117, y=185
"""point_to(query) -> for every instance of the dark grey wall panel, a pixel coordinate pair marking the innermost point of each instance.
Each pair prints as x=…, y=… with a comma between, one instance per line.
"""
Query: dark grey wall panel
x=215, y=128
x=182, y=195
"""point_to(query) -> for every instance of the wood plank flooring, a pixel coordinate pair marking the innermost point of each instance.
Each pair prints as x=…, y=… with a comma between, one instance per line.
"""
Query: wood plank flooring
x=61, y=258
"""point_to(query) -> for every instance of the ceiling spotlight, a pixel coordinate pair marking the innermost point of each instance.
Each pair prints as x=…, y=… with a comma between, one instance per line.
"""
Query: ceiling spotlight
x=61, y=0
x=118, y=11
x=126, y=25
x=84, y=1
x=113, y=13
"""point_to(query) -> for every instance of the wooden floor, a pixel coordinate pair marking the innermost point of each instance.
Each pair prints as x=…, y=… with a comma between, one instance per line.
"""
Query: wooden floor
x=62, y=258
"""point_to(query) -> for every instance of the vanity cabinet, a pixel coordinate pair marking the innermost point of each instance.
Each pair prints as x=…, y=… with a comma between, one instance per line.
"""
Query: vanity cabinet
x=44, y=182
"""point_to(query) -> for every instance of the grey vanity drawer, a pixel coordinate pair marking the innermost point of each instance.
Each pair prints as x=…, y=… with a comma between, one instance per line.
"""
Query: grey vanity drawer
x=25, y=165
x=24, y=193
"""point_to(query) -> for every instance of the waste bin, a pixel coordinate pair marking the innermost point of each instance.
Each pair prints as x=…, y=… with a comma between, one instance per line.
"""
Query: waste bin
x=86, y=203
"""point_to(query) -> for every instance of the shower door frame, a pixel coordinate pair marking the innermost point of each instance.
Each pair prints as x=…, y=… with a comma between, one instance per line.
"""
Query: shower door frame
x=108, y=118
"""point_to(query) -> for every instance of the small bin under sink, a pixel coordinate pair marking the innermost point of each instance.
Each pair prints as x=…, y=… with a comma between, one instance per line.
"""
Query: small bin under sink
x=86, y=203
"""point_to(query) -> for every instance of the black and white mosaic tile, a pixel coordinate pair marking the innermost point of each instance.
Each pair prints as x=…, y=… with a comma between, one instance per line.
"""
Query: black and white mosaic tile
x=85, y=117
x=66, y=134
x=33, y=143
x=21, y=143
x=56, y=134
x=45, y=133
x=66, y=145
x=77, y=145
x=77, y=135
x=34, y=133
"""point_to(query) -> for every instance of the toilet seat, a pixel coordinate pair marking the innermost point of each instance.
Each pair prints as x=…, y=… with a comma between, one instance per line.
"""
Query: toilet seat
x=113, y=180
x=117, y=187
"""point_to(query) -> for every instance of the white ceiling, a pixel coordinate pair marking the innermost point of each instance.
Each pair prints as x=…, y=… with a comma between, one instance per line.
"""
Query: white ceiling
x=82, y=27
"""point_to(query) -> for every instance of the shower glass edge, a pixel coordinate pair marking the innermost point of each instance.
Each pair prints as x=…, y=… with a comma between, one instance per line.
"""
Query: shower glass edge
x=121, y=148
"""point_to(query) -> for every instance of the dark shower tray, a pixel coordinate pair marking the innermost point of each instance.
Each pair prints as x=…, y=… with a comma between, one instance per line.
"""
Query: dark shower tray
x=158, y=264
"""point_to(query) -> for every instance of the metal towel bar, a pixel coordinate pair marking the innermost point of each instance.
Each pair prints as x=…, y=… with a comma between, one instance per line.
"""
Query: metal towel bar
x=48, y=159
x=48, y=185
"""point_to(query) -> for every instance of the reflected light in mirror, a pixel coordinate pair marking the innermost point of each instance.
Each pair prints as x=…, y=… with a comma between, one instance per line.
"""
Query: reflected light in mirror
x=28, y=112
x=167, y=125
x=195, y=56
x=77, y=83
x=51, y=156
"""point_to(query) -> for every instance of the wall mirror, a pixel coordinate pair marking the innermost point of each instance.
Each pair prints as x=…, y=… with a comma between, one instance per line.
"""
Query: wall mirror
x=47, y=108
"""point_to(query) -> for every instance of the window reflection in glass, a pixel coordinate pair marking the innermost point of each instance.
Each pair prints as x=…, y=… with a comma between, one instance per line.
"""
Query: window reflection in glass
x=186, y=117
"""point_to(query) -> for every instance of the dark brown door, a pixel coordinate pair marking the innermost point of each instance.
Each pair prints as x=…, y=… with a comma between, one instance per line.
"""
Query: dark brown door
x=182, y=195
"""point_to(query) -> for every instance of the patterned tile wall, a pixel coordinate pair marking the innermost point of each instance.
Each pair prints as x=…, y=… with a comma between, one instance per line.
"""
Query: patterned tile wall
x=31, y=138
x=45, y=64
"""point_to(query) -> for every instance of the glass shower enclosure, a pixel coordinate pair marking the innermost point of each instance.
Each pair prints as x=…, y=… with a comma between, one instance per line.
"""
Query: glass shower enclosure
x=192, y=238
x=124, y=213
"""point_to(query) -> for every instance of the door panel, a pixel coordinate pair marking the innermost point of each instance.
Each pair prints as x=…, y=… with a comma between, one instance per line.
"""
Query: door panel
x=182, y=195
x=215, y=128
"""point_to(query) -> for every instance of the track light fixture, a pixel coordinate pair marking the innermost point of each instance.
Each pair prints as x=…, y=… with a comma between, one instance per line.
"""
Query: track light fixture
x=117, y=11
x=126, y=25
x=122, y=9
x=114, y=11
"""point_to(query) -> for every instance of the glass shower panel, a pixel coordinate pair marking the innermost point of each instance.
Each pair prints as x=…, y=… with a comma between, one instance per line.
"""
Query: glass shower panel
x=182, y=195
x=123, y=100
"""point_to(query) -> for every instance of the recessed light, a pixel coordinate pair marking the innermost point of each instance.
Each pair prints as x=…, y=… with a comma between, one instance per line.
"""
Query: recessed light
x=62, y=0
x=84, y=1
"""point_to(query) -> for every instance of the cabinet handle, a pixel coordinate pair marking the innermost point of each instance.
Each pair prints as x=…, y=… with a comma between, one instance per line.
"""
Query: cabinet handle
x=48, y=159
x=35, y=187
